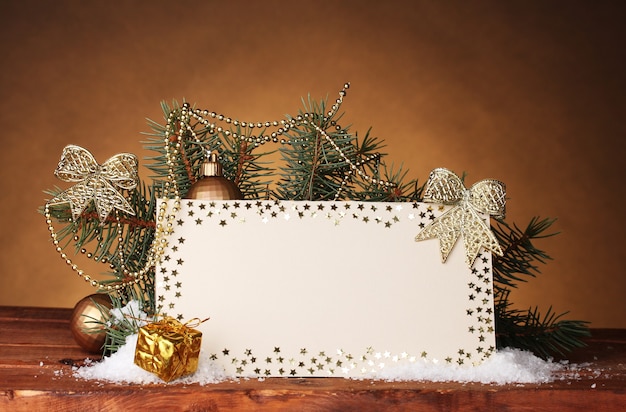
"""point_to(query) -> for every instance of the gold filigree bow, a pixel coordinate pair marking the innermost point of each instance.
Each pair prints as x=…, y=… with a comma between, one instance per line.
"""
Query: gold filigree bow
x=95, y=182
x=487, y=196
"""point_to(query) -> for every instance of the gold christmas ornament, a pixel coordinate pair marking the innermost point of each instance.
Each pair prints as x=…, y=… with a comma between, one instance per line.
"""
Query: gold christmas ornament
x=212, y=185
x=486, y=196
x=168, y=348
x=86, y=322
x=95, y=182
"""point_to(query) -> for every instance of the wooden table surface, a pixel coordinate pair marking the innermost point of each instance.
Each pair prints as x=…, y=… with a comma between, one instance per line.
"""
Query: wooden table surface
x=37, y=351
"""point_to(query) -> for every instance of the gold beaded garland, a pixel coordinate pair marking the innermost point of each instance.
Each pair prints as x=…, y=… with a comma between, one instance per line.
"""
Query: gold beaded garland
x=132, y=277
x=164, y=219
x=286, y=125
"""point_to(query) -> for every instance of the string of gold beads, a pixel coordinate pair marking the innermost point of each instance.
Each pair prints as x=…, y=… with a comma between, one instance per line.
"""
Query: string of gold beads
x=165, y=219
x=137, y=277
x=153, y=257
x=201, y=116
x=285, y=125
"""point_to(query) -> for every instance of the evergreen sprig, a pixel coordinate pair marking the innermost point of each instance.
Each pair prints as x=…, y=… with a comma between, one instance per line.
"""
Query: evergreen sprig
x=310, y=168
x=546, y=335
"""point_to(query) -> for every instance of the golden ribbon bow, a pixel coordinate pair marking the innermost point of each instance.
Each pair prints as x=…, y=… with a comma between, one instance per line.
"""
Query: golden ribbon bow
x=95, y=182
x=486, y=196
x=169, y=328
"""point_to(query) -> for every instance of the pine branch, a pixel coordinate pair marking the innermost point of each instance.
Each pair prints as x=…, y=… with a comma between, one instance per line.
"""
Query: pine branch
x=546, y=335
x=313, y=169
x=119, y=328
x=99, y=241
x=241, y=164
x=520, y=256
x=400, y=192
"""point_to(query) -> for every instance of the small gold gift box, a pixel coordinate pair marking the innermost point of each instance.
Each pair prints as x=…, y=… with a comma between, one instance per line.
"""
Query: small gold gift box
x=168, y=348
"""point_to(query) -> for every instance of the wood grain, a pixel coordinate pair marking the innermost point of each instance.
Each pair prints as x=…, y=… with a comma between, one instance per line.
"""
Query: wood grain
x=37, y=353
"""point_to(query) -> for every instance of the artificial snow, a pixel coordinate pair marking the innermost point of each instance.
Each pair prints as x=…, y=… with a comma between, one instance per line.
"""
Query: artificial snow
x=505, y=366
x=120, y=367
x=131, y=311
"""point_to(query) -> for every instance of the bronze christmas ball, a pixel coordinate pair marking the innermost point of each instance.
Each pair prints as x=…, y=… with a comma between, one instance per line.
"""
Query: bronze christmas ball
x=212, y=185
x=86, y=321
x=214, y=188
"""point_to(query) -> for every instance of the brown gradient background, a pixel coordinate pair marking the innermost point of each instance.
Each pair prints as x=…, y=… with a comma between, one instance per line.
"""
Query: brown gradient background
x=531, y=93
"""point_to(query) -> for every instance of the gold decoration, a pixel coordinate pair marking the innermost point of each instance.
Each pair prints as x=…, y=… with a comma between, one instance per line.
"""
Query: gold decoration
x=87, y=321
x=486, y=196
x=212, y=185
x=95, y=182
x=168, y=348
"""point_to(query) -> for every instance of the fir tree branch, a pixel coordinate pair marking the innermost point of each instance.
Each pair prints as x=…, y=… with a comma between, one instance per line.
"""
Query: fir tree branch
x=242, y=157
x=546, y=335
x=520, y=256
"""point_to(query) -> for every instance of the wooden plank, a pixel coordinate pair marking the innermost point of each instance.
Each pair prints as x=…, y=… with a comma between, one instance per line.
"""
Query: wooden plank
x=35, y=314
x=34, y=335
x=285, y=394
x=26, y=354
x=37, y=375
x=24, y=333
